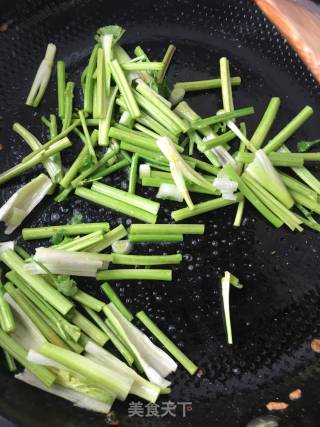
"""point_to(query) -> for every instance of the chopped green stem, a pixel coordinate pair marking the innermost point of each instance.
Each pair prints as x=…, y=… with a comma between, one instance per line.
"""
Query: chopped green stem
x=68, y=106
x=101, y=84
x=135, y=274
x=88, y=301
x=21, y=252
x=167, y=229
x=63, y=194
x=222, y=139
x=142, y=66
x=146, y=92
x=106, y=171
x=114, y=235
x=239, y=214
x=151, y=123
x=10, y=362
x=166, y=62
x=88, y=88
x=277, y=159
x=123, y=196
x=226, y=87
x=146, y=131
x=97, y=319
x=125, y=89
x=195, y=188
x=304, y=174
x=20, y=355
x=92, y=169
x=13, y=261
x=155, y=238
x=61, y=85
x=87, y=136
x=218, y=118
x=113, y=297
x=105, y=123
x=53, y=126
x=133, y=174
x=253, y=199
x=31, y=311
x=277, y=141
x=306, y=202
x=119, y=345
x=6, y=317
x=119, y=206
x=81, y=243
x=206, y=84
x=294, y=184
x=89, y=328
x=266, y=123
x=67, y=229
x=201, y=208
x=167, y=343
x=146, y=259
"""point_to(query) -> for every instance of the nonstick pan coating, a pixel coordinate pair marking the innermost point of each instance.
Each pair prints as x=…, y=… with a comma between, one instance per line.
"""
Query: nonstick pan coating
x=277, y=313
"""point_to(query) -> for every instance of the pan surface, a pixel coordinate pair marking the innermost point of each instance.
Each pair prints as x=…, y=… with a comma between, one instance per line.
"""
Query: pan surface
x=277, y=313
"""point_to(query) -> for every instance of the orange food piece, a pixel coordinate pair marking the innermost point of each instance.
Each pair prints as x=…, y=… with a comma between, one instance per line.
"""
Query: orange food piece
x=295, y=394
x=315, y=345
x=276, y=406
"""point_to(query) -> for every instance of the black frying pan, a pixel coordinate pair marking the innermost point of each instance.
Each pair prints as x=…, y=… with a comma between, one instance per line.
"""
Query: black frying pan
x=277, y=313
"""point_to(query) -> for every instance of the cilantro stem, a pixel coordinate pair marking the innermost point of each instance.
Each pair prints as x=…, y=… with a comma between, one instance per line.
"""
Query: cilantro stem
x=166, y=62
x=146, y=259
x=61, y=84
x=167, y=229
x=154, y=238
x=135, y=274
x=206, y=84
x=266, y=123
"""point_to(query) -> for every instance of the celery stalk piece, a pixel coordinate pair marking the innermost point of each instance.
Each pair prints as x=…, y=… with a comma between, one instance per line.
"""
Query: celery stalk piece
x=105, y=122
x=218, y=118
x=52, y=164
x=109, y=170
x=89, y=82
x=146, y=259
x=155, y=238
x=177, y=94
x=167, y=229
x=123, y=196
x=81, y=243
x=225, y=287
x=61, y=85
x=201, y=208
x=114, y=203
x=144, y=170
x=101, y=85
x=140, y=387
x=158, y=128
x=32, y=312
x=76, y=165
x=68, y=105
x=109, y=238
x=123, y=247
x=278, y=159
x=124, y=88
x=239, y=214
x=37, y=283
x=11, y=364
x=89, y=328
x=113, y=297
x=146, y=131
x=277, y=141
x=215, y=141
x=7, y=321
x=104, y=377
x=232, y=126
x=36, y=159
x=66, y=229
x=135, y=274
x=253, y=199
x=63, y=262
x=133, y=174
x=294, y=184
x=87, y=136
x=180, y=170
x=142, y=66
x=78, y=399
x=149, y=94
x=168, y=191
x=20, y=355
x=226, y=87
x=304, y=174
x=206, y=84
x=166, y=62
x=241, y=204
x=155, y=362
x=306, y=202
x=288, y=217
x=266, y=123
x=21, y=203
x=42, y=77
x=262, y=170
x=167, y=343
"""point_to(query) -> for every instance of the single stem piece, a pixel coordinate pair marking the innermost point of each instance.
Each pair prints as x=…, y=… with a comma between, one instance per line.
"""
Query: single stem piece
x=113, y=297
x=87, y=136
x=61, y=84
x=226, y=87
x=167, y=343
x=113, y=236
x=146, y=259
x=151, y=123
x=67, y=229
x=88, y=88
x=208, y=144
x=206, y=84
x=277, y=141
x=306, y=202
x=120, y=206
x=294, y=184
x=166, y=62
x=155, y=238
x=219, y=118
x=90, y=329
x=104, y=171
x=68, y=105
x=6, y=317
x=133, y=174
x=167, y=229
x=101, y=84
x=277, y=159
x=266, y=123
x=124, y=88
x=142, y=66
x=105, y=123
x=135, y=274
